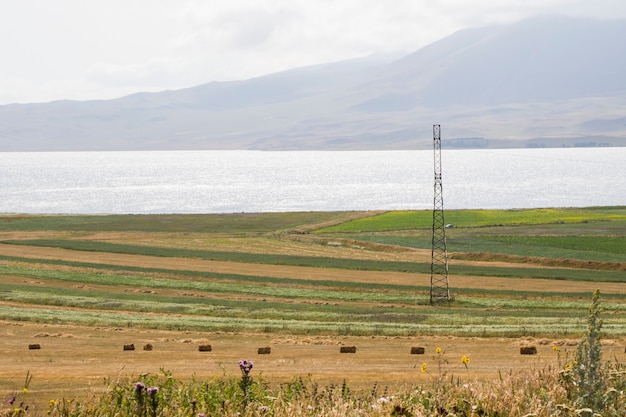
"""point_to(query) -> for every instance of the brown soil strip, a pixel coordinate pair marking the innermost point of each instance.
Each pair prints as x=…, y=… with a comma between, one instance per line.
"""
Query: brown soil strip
x=308, y=273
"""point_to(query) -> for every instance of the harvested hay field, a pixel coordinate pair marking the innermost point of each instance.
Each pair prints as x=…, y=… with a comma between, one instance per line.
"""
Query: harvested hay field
x=76, y=359
x=303, y=284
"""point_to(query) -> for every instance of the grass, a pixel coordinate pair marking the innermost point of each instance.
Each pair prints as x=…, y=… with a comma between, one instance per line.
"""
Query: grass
x=294, y=280
x=408, y=220
x=447, y=387
x=383, y=285
x=323, y=262
x=174, y=223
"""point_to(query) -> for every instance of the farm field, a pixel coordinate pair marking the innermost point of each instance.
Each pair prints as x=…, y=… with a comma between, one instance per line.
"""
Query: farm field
x=304, y=284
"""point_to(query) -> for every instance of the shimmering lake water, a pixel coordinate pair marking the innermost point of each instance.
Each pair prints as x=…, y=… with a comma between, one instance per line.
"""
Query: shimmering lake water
x=257, y=181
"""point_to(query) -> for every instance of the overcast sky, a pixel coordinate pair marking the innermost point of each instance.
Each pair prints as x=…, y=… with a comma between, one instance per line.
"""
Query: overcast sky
x=99, y=49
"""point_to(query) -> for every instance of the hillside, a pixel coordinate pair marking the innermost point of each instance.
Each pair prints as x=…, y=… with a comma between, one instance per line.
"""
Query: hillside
x=546, y=81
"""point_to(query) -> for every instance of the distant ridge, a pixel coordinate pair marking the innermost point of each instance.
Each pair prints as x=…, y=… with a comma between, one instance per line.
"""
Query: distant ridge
x=546, y=81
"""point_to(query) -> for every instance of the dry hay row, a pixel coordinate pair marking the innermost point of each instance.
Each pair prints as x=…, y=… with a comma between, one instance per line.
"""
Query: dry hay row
x=305, y=273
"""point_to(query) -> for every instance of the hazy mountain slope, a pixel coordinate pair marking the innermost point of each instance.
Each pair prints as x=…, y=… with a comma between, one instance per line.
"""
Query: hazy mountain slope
x=554, y=78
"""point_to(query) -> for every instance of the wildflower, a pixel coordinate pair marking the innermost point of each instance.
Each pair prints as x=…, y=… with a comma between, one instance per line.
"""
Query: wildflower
x=245, y=366
x=555, y=348
x=465, y=360
x=11, y=399
x=423, y=369
x=264, y=409
x=25, y=390
x=154, y=402
x=438, y=350
x=201, y=415
x=139, y=386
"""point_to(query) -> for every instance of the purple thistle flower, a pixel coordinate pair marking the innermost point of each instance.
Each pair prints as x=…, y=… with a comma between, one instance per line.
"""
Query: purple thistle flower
x=153, y=391
x=245, y=366
x=139, y=386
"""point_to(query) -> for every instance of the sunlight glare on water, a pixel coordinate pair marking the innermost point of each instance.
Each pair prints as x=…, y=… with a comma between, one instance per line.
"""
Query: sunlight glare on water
x=255, y=181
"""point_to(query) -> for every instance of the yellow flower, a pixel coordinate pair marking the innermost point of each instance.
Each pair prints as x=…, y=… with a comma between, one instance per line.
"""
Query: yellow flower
x=423, y=367
x=568, y=366
x=555, y=348
x=25, y=390
x=465, y=360
x=438, y=350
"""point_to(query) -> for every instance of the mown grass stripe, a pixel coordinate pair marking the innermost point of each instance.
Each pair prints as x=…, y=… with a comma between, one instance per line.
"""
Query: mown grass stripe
x=324, y=262
x=289, y=288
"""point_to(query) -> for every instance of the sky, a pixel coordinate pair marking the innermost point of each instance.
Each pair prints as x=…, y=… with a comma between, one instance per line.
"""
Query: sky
x=102, y=49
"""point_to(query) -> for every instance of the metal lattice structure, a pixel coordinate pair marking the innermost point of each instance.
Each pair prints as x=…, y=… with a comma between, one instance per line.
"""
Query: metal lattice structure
x=439, y=290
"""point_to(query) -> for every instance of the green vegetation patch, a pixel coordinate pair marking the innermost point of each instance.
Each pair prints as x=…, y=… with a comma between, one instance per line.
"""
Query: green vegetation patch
x=100, y=294
x=324, y=262
x=407, y=220
x=606, y=244
x=203, y=223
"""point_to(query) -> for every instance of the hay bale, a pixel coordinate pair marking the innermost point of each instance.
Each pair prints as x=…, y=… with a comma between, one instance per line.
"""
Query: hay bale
x=528, y=350
x=347, y=349
x=264, y=350
x=129, y=347
x=205, y=348
x=34, y=346
x=148, y=347
x=417, y=350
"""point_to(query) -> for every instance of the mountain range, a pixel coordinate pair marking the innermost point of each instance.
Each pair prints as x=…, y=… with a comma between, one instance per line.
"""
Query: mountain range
x=547, y=81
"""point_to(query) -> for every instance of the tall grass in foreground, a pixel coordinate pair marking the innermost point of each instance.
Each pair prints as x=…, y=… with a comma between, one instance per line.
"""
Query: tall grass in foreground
x=532, y=392
x=581, y=386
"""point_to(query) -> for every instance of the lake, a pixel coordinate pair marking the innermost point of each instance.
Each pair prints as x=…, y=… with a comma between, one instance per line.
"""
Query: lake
x=256, y=181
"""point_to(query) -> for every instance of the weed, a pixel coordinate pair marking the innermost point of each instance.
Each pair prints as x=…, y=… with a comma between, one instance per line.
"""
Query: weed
x=585, y=378
x=246, y=381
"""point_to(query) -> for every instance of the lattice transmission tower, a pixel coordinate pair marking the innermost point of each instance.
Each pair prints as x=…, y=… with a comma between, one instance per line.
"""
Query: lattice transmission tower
x=439, y=290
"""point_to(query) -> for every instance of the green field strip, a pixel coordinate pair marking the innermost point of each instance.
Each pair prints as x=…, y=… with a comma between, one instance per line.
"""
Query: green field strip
x=190, y=306
x=409, y=220
x=266, y=286
x=450, y=324
x=243, y=257
x=229, y=283
x=472, y=314
x=587, y=248
x=277, y=290
x=323, y=262
x=269, y=222
x=604, y=244
x=207, y=302
x=185, y=274
x=172, y=223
